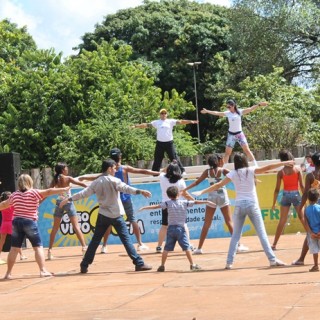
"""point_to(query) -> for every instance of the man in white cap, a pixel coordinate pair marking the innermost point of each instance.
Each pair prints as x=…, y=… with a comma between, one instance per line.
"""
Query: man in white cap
x=164, y=142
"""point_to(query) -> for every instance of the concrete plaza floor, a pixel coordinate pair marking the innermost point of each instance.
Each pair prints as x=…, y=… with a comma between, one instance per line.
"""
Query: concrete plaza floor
x=113, y=290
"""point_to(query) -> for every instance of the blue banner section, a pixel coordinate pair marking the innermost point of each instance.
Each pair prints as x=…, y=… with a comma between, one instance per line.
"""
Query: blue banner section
x=149, y=221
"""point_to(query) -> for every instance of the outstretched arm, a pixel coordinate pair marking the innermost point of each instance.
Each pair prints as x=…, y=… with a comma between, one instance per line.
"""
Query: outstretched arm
x=49, y=192
x=203, y=176
x=272, y=166
x=90, y=177
x=141, y=171
x=254, y=107
x=214, y=113
x=187, y=121
x=207, y=202
x=142, y=125
x=155, y=206
x=77, y=182
x=214, y=187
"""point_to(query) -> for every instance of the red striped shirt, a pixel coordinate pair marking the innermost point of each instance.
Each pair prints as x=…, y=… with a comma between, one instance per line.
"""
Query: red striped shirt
x=26, y=204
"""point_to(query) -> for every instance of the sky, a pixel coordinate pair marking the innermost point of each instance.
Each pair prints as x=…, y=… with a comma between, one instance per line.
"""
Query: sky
x=59, y=24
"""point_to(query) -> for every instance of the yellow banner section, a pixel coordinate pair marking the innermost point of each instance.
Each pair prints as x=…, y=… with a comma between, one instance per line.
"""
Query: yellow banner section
x=265, y=190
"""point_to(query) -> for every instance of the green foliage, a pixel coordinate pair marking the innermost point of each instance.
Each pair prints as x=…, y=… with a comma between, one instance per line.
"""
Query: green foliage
x=117, y=94
x=268, y=33
x=166, y=35
x=14, y=41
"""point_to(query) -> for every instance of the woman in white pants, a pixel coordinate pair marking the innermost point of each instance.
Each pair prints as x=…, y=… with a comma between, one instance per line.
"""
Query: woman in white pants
x=246, y=204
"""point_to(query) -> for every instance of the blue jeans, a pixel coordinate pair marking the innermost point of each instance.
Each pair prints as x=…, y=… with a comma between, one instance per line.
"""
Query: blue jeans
x=251, y=209
x=176, y=233
x=102, y=225
x=21, y=228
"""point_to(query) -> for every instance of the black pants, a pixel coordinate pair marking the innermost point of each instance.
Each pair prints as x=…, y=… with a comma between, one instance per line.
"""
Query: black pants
x=160, y=150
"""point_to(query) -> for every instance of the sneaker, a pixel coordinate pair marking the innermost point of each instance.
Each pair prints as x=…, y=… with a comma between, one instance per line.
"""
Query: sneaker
x=195, y=267
x=104, y=249
x=242, y=248
x=228, y=266
x=198, y=251
x=161, y=269
x=83, y=268
x=2, y=261
x=158, y=249
x=23, y=258
x=277, y=263
x=50, y=256
x=142, y=247
x=192, y=248
x=144, y=267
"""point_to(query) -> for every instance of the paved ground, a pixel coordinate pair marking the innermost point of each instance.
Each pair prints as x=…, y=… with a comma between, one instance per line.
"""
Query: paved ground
x=112, y=290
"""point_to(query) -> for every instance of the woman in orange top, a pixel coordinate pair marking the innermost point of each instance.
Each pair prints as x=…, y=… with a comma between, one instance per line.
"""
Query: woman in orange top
x=292, y=180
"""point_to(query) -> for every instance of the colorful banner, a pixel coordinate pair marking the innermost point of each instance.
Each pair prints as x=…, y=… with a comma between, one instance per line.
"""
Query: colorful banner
x=150, y=221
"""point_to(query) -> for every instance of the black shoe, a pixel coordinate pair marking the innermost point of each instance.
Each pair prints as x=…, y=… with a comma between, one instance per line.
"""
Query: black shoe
x=83, y=268
x=161, y=269
x=144, y=267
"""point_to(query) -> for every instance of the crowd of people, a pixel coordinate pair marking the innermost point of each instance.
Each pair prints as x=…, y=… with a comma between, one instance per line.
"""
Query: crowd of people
x=113, y=190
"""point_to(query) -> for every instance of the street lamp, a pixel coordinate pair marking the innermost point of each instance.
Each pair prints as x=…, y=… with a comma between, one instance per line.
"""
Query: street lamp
x=194, y=65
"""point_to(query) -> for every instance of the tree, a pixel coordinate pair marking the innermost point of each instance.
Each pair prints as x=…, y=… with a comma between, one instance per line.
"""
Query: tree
x=281, y=33
x=165, y=35
x=14, y=41
x=116, y=93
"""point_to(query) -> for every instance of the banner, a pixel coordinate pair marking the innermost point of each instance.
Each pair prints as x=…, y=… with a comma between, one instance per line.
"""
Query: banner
x=149, y=221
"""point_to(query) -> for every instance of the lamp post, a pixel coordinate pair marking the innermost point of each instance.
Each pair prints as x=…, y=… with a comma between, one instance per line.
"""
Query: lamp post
x=194, y=65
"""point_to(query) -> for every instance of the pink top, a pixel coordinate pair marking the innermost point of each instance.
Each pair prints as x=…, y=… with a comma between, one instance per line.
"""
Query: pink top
x=7, y=214
x=26, y=204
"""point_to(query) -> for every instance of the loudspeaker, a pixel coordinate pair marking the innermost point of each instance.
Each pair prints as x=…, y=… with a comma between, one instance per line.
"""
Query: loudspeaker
x=10, y=168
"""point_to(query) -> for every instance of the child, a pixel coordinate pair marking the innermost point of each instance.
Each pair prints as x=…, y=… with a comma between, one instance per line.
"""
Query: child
x=312, y=218
x=177, y=214
x=6, y=225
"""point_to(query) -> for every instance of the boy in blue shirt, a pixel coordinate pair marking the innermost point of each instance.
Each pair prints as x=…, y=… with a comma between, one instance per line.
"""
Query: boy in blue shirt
x=312, y=218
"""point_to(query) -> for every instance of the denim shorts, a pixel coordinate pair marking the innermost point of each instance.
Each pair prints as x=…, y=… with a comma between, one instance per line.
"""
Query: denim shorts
x=128, y=209
x=314, y=244
x=21, y=228
x=176, y=233
x=290, y=198
x=219, y=197
x=68, y=208
x=233, y=138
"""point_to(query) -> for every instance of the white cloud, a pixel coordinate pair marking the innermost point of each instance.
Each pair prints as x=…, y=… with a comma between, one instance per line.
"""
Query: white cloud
x=60, y=24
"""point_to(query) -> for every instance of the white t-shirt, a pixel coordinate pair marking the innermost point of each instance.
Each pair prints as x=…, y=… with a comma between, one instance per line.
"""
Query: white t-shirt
x=164, y=129
x=243, y=180
x=234, y=120
x=165, y=184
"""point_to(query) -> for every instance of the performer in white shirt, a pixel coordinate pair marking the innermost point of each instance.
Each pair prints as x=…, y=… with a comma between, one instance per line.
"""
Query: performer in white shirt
x=235, y=133
x=164, y=142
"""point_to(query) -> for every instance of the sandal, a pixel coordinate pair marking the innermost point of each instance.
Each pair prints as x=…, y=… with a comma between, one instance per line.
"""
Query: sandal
x=314, y=269
x=297, y=263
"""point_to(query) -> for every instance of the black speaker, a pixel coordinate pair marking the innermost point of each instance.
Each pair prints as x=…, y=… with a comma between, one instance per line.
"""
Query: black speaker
x=10, y=168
